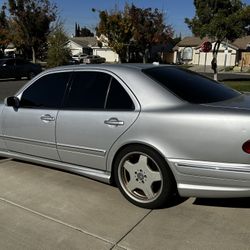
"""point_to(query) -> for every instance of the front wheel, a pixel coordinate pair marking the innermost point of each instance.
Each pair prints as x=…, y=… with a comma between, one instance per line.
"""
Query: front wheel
x=143, y=177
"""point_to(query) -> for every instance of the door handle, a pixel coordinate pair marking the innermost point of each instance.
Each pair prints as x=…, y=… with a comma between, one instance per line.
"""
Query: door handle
x=47, y=118
x=114, y=122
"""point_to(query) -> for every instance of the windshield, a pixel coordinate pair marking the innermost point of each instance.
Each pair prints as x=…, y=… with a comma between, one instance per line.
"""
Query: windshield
x=190, y=86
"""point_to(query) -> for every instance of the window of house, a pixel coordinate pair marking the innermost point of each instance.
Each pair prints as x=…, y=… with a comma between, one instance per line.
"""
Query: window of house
x=187, y=54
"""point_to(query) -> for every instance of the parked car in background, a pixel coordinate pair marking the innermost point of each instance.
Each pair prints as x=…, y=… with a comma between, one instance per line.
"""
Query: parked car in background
x=18, y=68
x=79, y=57
x=91, y=59
x=73, y=61
x=153, y=130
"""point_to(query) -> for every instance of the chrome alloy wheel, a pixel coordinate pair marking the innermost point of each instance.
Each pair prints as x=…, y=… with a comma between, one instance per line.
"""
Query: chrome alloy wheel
x=140, y=177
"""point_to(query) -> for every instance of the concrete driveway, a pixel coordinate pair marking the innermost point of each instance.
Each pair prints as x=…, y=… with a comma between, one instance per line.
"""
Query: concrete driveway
x=43, y=208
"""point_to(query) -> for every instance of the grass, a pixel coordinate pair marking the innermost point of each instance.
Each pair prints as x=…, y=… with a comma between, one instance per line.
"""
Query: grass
x=240, y=85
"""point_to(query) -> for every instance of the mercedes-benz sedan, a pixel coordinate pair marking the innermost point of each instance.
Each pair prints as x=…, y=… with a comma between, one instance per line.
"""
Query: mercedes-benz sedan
x=153, y=130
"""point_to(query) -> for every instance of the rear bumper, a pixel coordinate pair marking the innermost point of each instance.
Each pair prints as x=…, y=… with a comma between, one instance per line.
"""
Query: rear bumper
x=211, y=179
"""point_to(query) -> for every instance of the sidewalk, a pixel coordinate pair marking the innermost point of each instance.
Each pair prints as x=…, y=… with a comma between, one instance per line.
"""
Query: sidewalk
x=222, y=75
x=203, y=69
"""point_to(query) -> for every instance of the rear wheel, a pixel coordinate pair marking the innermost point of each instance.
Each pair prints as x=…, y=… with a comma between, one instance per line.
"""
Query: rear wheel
x=144, y=177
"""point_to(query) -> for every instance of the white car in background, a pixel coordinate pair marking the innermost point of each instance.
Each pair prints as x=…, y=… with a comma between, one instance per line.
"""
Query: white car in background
x=79, y=57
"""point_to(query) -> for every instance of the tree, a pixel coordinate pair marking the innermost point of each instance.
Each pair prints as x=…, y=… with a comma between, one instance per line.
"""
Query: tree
x=4, y=30
x=77, y=30
x=58, y=53
x=148, y=29
x=219, y=20
x=82, y=32
x=85, y=32
x=32, y=19
x=117, y=27
x=133, y=27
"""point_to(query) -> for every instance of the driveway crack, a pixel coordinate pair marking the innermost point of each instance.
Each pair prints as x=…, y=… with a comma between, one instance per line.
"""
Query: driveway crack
x=131, y=229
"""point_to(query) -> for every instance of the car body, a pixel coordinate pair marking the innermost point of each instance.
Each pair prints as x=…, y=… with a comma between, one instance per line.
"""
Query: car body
x=154, y=130
x=92, y=59
x=79, y=57
x=18, y=68
x=73, y=61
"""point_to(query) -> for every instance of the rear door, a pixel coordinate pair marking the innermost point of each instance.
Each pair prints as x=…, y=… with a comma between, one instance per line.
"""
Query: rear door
x=98, y=109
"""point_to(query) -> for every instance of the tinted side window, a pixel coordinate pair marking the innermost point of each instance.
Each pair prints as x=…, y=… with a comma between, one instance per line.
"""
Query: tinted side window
x=88, y=91
x=118, y=98
x=47, y=92
x=190, y=86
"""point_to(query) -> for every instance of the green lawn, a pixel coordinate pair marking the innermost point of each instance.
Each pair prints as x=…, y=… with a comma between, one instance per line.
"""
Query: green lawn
x=240, y=85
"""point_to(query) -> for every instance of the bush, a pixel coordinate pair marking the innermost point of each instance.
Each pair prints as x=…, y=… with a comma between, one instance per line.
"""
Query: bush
x=58, y=53
x=229, y=68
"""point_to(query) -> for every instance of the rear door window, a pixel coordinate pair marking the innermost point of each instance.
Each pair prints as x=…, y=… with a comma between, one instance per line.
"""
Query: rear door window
x=88, y=91
x=118, y=98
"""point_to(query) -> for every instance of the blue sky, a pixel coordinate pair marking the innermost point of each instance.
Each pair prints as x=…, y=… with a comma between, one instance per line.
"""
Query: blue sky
x=72, y=11
x=80, y=11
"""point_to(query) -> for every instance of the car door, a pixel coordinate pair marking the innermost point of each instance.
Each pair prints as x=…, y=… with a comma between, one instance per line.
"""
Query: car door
x=97, y=110
x=21, y=67
x=30, y=129
x=7, y=69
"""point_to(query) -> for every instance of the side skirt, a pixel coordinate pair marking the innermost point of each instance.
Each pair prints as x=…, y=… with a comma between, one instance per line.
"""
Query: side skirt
x=99, y=175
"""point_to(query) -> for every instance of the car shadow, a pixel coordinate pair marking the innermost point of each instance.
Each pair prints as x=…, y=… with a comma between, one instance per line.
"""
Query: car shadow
x=175, y=201
x=223, y=202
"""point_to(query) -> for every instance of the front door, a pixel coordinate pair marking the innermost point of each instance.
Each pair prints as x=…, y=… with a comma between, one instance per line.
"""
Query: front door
x=97, y=111
x=30, y=129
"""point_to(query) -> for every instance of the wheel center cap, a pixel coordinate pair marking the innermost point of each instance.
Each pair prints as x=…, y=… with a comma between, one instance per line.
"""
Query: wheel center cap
x=140, y=176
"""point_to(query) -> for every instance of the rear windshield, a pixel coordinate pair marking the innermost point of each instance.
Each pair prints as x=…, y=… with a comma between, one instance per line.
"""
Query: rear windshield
x=190, y=86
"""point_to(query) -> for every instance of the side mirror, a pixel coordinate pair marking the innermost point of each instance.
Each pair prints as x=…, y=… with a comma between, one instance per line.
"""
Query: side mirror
x=12, y=101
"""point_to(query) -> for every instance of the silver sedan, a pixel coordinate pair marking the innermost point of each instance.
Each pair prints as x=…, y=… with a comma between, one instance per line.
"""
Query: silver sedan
x=153, y=130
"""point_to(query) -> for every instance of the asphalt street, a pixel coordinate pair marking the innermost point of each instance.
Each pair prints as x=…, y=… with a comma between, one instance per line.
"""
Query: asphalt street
x=48, y=209
x=9, y=87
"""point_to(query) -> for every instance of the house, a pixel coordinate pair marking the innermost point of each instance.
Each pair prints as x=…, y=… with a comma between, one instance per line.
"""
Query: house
x=163, y=52
x=92, y=46
x=189, y=51
x=81, y=45
x=243, y=45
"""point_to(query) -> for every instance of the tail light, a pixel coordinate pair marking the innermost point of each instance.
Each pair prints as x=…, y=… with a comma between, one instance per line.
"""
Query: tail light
x=246, y=147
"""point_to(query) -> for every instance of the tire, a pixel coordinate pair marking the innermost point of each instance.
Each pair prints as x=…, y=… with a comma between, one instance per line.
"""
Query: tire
x=144, y=177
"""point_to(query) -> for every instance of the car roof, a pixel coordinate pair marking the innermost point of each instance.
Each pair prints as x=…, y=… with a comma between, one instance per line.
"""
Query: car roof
x=121, y=66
